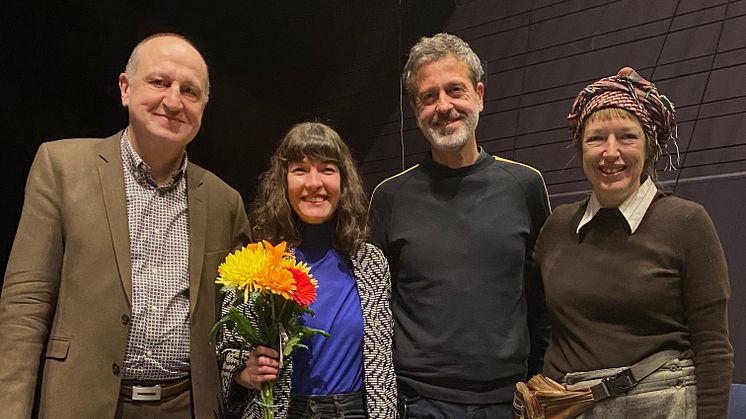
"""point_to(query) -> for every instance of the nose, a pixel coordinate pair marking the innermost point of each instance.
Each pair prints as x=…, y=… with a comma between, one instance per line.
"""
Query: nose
x=443, y=105
x=313, y=180
x=172, y=98
x=611, y=146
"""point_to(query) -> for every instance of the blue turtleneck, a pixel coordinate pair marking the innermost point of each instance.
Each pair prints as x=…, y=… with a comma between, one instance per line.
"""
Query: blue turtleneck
x=331, y=365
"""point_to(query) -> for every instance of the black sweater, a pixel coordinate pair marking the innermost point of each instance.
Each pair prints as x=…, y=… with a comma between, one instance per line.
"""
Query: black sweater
x=468, y=302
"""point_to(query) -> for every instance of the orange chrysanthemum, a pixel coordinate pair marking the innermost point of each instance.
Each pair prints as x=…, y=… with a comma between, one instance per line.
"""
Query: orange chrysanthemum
x=278, y=281
x=278, y=256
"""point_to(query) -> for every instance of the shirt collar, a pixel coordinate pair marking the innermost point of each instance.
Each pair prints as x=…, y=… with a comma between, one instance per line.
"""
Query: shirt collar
x=141, y=171
x=633, y=208
x=483, y=160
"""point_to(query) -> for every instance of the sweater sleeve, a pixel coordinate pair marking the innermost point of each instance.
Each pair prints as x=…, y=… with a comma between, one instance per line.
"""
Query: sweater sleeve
x=539, y=321
x=379, y=212
x=706, y=293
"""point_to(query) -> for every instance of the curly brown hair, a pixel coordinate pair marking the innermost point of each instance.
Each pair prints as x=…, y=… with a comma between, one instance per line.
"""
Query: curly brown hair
x=271, y=215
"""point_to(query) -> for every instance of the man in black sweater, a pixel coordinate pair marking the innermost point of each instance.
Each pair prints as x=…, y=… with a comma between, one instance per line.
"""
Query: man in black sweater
x=458, y=231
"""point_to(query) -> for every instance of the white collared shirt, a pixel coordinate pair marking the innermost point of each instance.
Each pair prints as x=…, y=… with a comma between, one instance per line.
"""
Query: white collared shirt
x=633, y=208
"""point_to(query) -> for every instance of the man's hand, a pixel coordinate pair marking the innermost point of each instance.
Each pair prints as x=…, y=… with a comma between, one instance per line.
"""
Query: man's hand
x=261, y=365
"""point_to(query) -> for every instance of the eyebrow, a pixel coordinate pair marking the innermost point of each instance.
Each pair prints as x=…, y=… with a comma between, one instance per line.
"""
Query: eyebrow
x=165, y=75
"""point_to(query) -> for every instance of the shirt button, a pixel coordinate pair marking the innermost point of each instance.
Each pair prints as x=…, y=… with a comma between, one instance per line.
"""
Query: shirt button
x=115, y=368
x=148, y=353
x=125, y=319
x=153, y=307
x=154, y=270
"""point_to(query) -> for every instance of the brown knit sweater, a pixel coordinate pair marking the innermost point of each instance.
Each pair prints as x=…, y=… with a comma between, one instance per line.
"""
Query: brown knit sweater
x=616, y=298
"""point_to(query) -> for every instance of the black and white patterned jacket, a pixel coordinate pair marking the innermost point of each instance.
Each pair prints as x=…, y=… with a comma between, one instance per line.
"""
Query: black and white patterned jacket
x=374, y=286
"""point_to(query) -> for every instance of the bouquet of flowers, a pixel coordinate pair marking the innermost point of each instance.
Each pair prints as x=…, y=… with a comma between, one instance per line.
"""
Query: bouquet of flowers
x=279, y=289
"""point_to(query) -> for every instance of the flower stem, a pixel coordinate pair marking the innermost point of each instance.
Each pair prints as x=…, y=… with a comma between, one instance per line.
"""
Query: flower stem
x=268, y=402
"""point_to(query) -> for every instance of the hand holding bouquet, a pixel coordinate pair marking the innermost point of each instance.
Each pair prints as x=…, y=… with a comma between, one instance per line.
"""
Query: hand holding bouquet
x=279, y=289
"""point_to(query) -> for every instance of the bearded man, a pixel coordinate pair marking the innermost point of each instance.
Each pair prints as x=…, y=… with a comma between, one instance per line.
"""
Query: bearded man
x=458, y=231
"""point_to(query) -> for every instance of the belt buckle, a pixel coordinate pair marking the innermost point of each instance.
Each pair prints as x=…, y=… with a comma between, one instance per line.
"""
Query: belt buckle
x=146, y=393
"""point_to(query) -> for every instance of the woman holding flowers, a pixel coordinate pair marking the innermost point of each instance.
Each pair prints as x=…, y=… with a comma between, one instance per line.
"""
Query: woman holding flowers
x=312, y=198
x=633, y=273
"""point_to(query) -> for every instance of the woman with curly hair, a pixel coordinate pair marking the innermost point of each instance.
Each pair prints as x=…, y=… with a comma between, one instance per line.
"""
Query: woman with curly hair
x=312, y=197
x=635, y=278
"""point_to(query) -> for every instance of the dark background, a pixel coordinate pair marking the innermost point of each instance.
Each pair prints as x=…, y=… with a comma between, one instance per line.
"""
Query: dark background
x=276, y=63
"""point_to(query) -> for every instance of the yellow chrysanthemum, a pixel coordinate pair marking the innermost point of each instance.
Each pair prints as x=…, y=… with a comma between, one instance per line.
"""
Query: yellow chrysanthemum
x=242, y=269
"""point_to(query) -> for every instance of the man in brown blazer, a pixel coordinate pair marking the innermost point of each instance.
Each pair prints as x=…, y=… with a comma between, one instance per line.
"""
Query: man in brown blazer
x=109, y=293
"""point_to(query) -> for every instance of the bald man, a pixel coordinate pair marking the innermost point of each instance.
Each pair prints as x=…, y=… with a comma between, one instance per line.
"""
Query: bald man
x=109, y=293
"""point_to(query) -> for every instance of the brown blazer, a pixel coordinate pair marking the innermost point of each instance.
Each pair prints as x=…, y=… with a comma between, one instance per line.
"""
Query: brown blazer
x=66, y=299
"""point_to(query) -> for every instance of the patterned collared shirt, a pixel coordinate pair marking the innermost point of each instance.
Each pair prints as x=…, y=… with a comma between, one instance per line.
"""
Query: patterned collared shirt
x=158, y=343
x=633, y=208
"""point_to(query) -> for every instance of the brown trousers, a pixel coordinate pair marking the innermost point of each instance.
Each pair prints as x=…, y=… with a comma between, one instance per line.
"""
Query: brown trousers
x=177, y=407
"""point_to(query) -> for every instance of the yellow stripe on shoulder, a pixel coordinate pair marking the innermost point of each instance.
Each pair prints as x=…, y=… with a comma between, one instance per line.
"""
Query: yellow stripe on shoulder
x=546, y=191
x=518, y=163
x=388, y=179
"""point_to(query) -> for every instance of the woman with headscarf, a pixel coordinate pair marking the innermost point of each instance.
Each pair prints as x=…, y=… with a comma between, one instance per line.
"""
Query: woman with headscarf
x=312, y=197
x=633, y=273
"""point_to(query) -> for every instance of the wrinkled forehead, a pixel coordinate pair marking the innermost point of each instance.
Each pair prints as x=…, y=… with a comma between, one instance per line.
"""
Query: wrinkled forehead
x=172, y=53
x=445, y=63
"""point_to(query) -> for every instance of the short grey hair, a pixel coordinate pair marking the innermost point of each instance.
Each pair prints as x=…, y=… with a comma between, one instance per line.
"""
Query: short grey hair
x=132, y=61
x=428, y=50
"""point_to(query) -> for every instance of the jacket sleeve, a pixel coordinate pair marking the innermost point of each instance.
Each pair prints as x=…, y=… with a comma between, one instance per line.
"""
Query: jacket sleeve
x=241, y=229
x=30, y=288
x=241, y=402
x=232, y=354
x=374, y=286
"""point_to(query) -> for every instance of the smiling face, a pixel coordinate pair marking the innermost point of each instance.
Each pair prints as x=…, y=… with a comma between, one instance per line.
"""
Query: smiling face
x=613, y=156
x=447, y=104
x=314, y=188
x=166, y=95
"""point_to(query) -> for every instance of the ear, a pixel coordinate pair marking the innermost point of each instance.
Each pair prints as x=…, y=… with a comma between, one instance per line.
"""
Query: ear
x=124, y=89
x=413, y=104
x=480, y=94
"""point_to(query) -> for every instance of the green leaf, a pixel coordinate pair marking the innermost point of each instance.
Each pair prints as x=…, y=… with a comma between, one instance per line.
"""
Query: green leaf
x=243, y=326
x=296, y=335
x=216, y=329
x=309, y=311
x=309, y=331
x=291, y=344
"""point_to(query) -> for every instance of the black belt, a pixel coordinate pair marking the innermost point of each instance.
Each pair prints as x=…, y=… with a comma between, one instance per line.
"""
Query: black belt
x=154, y=391
x=333, y=405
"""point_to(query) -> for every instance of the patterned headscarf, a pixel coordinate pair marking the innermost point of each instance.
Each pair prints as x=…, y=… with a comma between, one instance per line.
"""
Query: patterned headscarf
x=629, y=91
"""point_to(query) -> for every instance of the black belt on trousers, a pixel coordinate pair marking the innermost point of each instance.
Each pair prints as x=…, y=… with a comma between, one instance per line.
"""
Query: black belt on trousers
x=333, y=405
